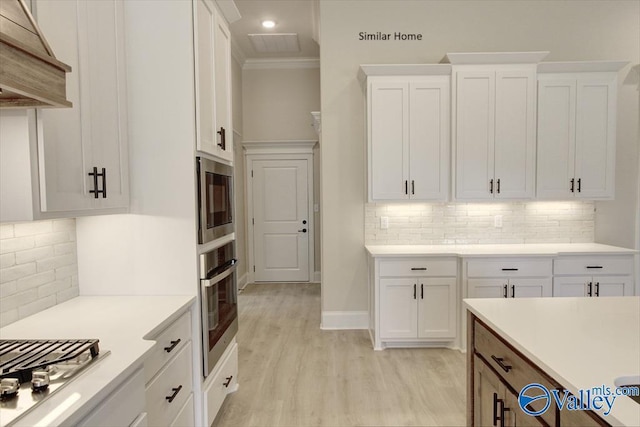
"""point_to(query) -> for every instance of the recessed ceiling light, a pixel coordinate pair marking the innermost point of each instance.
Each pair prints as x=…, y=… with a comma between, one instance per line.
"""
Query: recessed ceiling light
x=268, y=24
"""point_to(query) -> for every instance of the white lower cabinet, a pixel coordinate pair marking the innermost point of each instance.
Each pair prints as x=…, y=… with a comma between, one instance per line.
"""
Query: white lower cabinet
x=168, y=373
x=415, y=302
x=509, y=277
x=222, y=381
x=125, y=406
x=593, y=276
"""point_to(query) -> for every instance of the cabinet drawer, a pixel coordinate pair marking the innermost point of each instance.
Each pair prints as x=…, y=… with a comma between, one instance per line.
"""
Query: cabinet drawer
x=515, y=370
x=177, y=374
x=168, y=343
x=419, y=267
x=224, y=381
x=509, y=267
x=593, y=265
x=185, y=417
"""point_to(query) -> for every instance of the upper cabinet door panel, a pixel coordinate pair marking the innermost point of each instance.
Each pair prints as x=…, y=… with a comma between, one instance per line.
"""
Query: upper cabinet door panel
x=222, y=64
x=515, y=134
x=429, y=139
x=389, y=151
x=475, y=128
x=556, y=138
x=595, y=138
x=205, y=28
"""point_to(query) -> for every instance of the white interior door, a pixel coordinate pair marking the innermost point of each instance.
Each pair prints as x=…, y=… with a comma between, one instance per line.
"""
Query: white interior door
x=281, y=220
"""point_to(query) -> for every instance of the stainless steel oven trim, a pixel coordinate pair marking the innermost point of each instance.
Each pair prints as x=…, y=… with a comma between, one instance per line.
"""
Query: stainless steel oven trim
x=211, y=357
x=204, y=165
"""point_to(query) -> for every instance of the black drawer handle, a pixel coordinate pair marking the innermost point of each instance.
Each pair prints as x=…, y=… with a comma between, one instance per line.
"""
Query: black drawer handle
x=418, y=268
x=172, y=346
x=500, y=362
x=228, y=381
x=509, y=269
x=594, y=266
x=175, y=391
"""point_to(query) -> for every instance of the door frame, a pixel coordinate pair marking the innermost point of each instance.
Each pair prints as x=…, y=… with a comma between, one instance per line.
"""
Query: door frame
x=278, y=150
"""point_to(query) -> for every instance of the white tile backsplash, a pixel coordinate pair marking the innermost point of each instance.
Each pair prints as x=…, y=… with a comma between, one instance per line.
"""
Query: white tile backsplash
x=38, y=267
x=473, y=223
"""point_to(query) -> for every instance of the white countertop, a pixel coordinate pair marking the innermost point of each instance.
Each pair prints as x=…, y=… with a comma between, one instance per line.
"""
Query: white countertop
x=525, y=249
x=580, y=342
x=119, y=322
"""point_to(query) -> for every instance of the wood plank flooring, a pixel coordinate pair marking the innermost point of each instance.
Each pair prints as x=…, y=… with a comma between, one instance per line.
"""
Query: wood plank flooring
x=291, y=373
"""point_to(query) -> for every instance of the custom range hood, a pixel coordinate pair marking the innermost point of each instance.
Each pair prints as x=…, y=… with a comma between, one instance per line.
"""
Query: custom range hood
x=30, y=74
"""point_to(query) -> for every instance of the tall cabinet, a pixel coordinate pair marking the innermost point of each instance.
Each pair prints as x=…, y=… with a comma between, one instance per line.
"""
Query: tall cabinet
x=408, y=121
x=494, y=100
x=577, y=129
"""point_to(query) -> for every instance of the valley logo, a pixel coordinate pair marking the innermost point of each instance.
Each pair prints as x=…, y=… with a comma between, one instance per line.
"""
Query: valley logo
x=596, y=398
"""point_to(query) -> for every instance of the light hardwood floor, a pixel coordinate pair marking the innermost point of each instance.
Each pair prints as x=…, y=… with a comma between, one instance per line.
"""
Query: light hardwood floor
x=291, y=373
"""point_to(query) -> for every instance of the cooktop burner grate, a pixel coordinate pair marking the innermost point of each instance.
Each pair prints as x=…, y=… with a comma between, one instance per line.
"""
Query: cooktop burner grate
x=18, y=358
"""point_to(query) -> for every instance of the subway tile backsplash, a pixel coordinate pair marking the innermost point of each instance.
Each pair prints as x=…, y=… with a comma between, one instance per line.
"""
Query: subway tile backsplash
x=38, y=267
x=474, y=223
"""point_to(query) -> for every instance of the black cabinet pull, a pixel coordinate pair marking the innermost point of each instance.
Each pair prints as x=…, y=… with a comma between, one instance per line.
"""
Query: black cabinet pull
x=500, y=362
x=223, y=143
x=509, y=269
x=495, y=409
x=594, y=266
x=498, y=186
x=513, y=291
x=406, y=187
x=96, y=193
x=589, y=289
x=415, y=286
x=413, y=187
x=502, y=413
x=304, y=230
x=228, y=381
x=174, y=344
x=421, y=290
x=597, y=289
x=491, y=186
x=504, y=291
x=418, y=268
x=175, y=391
x=573, y=183
x=579, y=185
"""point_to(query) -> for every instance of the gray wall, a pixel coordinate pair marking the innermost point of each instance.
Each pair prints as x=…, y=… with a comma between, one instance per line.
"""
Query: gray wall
x=571, y=31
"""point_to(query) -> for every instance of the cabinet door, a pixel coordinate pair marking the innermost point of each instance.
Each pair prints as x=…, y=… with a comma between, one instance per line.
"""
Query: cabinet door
x=514, y=171
x=475, y=128
x=487, y=288
x=429, y=139
x=488, y=394
x=516, y=417
x=530, y=288
x=570, y=286
x=613, y=286
x=556, y=138
x=595, y=138
x=398, y=308
x=389, y=140
x=222, y=63
x=204, y=61
x=437, y=308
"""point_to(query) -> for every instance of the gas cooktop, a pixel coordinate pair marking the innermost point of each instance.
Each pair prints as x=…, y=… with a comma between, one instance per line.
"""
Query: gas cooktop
x=32, y=370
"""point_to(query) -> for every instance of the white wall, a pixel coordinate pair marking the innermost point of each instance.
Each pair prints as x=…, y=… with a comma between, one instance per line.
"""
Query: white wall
x=38, y=267
x=576, y=30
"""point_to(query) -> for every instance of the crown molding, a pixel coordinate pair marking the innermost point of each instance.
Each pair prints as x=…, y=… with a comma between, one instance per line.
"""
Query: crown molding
x=280, y=63
x=237, y=53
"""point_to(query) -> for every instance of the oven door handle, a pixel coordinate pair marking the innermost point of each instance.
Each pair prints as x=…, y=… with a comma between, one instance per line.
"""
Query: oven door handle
x=207, y=283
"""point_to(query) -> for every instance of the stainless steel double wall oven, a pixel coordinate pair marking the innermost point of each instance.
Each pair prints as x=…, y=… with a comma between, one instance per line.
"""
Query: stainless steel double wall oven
x=218, y=278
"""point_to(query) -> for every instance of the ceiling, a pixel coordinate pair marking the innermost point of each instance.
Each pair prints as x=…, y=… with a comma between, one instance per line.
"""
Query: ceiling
x=290, y=16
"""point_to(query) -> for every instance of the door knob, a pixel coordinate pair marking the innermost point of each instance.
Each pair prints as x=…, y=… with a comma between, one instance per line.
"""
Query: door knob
x=304, y=230
x=304, y=221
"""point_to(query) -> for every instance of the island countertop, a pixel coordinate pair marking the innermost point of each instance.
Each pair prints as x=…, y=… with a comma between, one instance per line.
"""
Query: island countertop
x=579, y=342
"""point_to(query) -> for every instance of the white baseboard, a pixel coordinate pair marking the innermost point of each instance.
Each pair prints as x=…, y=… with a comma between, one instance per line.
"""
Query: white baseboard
x=344, y=320
x=317, y=276
x=242, y=282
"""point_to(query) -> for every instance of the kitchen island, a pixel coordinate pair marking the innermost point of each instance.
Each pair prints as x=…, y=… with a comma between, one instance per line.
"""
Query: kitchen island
x=126, y=327
x=570, y=344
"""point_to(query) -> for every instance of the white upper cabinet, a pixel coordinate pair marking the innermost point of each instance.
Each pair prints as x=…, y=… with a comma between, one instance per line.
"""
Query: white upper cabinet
x=494, y=131
x=79, y=155
x=577, y=129
x=213, y=81
x=408, y=131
